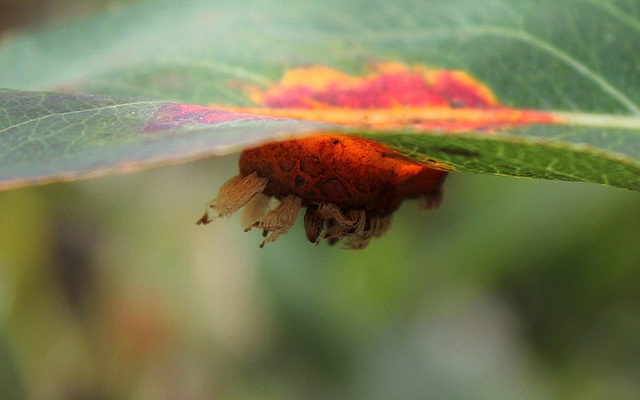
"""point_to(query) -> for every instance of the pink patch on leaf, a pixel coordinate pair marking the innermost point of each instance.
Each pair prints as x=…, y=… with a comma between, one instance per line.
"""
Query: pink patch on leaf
x=173, y=116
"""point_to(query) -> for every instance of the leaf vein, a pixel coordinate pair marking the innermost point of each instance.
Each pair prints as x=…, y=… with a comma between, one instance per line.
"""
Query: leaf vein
x=67, y=113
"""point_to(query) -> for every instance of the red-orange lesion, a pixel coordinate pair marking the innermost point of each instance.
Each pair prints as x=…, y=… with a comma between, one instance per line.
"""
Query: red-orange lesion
x=391, y=96
x=388, y=86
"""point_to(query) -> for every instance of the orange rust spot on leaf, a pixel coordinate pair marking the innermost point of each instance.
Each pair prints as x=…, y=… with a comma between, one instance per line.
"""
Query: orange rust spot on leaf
x=389, y=85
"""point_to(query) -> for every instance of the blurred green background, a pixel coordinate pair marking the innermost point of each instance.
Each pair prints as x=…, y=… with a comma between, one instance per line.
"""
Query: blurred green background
x=513, y=289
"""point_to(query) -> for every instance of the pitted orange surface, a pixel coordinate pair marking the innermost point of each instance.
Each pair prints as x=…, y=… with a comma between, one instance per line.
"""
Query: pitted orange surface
x=351, y=172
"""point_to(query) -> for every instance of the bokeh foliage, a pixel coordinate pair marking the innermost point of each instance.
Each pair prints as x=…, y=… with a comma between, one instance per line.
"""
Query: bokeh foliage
x=513, y=289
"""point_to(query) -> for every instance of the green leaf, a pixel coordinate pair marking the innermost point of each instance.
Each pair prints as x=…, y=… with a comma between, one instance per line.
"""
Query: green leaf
x=579, y=57
x=48, y=136
x=532, y=152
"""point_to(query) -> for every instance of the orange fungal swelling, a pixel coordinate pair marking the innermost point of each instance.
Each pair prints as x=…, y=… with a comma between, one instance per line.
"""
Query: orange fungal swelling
x=350, y=187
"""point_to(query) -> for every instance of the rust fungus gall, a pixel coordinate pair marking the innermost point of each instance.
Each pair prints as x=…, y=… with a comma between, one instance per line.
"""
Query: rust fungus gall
x=348, y=185
x=350, y=188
